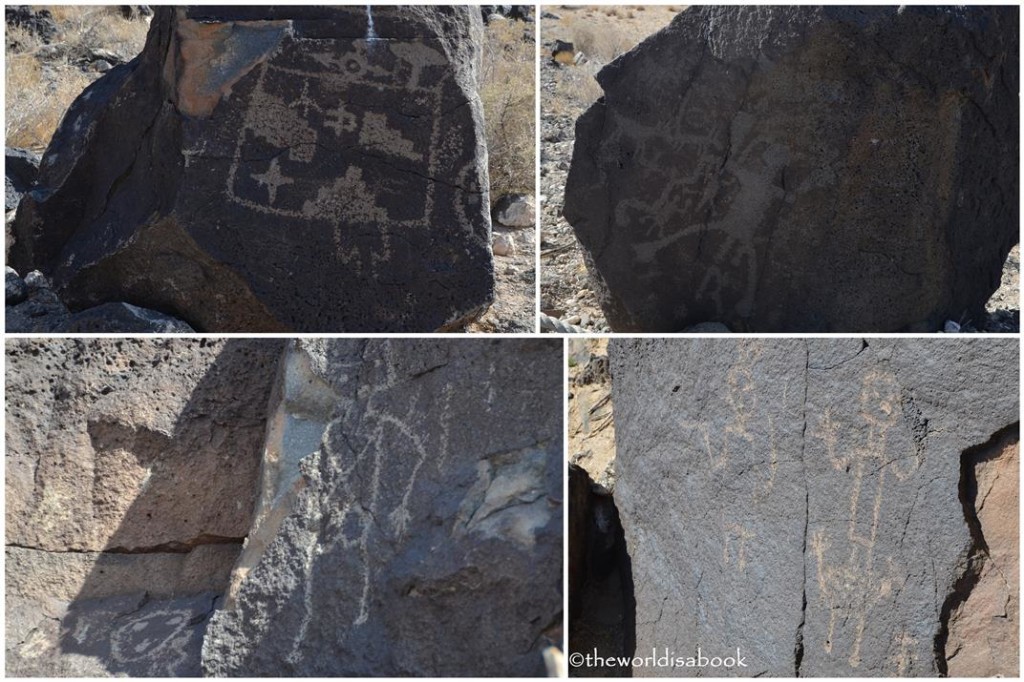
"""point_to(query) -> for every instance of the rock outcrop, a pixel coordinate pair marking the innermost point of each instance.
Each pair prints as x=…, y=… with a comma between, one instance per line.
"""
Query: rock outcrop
x=21, y=167
x=131, y=470
x=410, y=515
x=405, y=517
x=275, y=169
x=803, y=169
x=830, y=507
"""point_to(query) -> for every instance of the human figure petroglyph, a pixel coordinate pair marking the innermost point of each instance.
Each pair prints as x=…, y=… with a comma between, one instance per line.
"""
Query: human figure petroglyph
x=356, y=474
x=854, y=585
x=738, y=434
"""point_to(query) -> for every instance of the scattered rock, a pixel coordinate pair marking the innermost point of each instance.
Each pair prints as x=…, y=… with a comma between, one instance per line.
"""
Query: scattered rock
x=15, y=290
x=36, y=280
x=450, y=512
x=503, y=244
x=515, y=210
x=761, y=166
x=20, y=172
x=504, y=12
x=362, y=208
x=36, y=21
x=803, y=484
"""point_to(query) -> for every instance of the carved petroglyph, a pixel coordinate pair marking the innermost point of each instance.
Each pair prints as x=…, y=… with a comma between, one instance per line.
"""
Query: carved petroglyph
x=162, y=633
x=853, y=585
x=738, y=434
x=736, y=536
x=735, y=262
x=357, y=473
x=326, y=118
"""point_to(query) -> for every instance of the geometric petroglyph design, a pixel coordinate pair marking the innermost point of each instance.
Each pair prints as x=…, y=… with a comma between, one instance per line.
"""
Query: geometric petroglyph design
x=334, y=104
x=854, y=584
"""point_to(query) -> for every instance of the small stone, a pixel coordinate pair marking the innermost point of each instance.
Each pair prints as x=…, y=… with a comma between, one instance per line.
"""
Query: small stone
x=36, y=280
x=951, y=327
x=515, y=210
x=101, y=65
x=14, y=287
x=503, y=245
x=573, y=320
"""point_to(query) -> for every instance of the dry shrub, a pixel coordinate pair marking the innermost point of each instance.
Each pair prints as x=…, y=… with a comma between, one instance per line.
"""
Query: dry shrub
x=35, y=103
x=508, y=94
x=600, y=41
x=42, y=80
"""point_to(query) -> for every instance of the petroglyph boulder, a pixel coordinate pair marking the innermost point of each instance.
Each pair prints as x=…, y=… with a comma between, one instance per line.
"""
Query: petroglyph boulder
x=276, y=168
x=821, y=505
x=803, y=169
x=410, y=515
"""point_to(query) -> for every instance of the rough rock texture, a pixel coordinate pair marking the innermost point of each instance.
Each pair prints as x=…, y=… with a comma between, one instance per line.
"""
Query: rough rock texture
x=275, y=168
x=806, y=501
x=803, y=169
x=103, y=437
x=129, y=635
x=131, y=469
x=21, y=167
x=410, y=519
x=984, y=629
x=33, y=307
x=591, y=417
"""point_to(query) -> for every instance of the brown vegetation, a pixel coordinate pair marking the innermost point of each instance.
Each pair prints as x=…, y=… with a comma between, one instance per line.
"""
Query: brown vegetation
x=43, y=80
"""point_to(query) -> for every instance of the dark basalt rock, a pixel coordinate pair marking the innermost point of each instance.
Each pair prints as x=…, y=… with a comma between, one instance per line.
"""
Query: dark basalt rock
x=806, y=501
x=20, y=171
x=410, y=521
x=803, y=169
x=275, y=169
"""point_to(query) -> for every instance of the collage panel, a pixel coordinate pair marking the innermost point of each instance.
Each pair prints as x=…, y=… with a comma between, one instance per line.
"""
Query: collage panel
x=313, y=169
x=763, y=169
x=794, y=508
x=725, y=258
x=271, y=507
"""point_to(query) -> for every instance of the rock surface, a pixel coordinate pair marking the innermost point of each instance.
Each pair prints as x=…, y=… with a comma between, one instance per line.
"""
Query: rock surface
x=103, y=437
x=272, y=169
x=830, y=169
x=131, y=469
x=801, y=500
x=983, y=638
x=410, y=517
x=20, y=171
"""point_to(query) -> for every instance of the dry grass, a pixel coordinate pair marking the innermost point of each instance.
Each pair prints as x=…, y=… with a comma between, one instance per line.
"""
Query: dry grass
x=42, y=81
x=602, y=33
x=508, y=93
